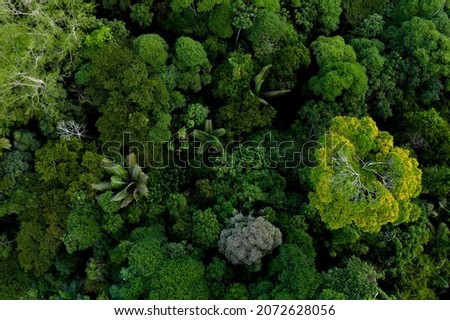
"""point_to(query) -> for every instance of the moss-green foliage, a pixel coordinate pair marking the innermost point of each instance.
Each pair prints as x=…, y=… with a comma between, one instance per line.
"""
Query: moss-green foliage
x=310, y=16
x=382, y=88
x=336, y=78
x=370, y=181
x=406, y=10
x=205, y=228
x=296, y=273
x=14, y=282
x=357, y=281
x=437, y=180
x=268, y=33
x=117, y=80
x=57, y=161
x=144, y=254
x=339, y=71
x=83, y=230
x=232, y=78
x=424, y=53
x=196, y=115
x=294, y=149
x=98, y=38
x=152, y=49
x=25, y=141
x=142, y=14
x=220, y=21
x=237, y=291
x=108, y=206
x=245, y=115
x=356, y=11
x=145, y=258
x=430, y=133
x=180, y=279
x=15, y=164
x=33, y=63
x=192, y=64
x=41, y=229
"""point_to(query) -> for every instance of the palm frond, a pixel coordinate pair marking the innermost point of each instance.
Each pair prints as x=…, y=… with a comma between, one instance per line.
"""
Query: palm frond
x=122, y=194
x=219, y=132
x=142, y=190
x=208, y=126
x=202, y=148
x=117, y=182
x=275, y=93
x=127, y=200
x=115, y=169
x=102, y=186
x=135, y=170
x=260, y=77
x=200, y=135
x=217, y=146
x=131, y=160
x=142, y=178
x=124, y=180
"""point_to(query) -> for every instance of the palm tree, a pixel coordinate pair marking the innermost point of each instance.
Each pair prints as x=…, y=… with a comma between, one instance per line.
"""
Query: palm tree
x=259, y=80
x=71, y=291
x=209, y=137
x=131, y=182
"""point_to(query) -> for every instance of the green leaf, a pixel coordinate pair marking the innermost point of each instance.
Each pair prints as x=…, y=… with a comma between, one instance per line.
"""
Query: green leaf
x=260, y=77
x=203, y=148
x=219, y=132
x=275, y=93
x=142, y=178
x=115, y=169
x=215, y=143
x=208, y=126
x=131, y=160
x=200, y=135
x=264, y=102
x=117, y=182
x=122, y=194
x=127, y=201
x=102, y=186
x=142, y=189
x=136, y=170
x=442, y=283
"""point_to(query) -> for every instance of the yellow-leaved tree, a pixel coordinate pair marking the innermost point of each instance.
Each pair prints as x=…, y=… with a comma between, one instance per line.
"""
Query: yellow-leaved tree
x=361, y=178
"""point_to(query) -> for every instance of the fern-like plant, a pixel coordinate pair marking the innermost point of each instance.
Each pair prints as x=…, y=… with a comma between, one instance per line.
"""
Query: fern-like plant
x=129, y=182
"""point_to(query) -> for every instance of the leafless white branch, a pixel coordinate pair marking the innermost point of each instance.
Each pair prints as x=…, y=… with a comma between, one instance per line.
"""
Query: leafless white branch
x=69, y=129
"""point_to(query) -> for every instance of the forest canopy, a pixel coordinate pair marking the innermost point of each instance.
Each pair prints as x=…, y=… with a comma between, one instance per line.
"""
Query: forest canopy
x=218, y=149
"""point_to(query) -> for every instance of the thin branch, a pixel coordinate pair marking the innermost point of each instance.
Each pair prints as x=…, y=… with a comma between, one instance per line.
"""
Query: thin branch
x=5, y=243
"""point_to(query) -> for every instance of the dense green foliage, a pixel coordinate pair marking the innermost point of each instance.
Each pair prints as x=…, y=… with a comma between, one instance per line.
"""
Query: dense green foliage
x=219, y=149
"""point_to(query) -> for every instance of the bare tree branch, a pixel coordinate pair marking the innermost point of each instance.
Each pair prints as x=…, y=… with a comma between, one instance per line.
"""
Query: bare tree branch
x=69, y=129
